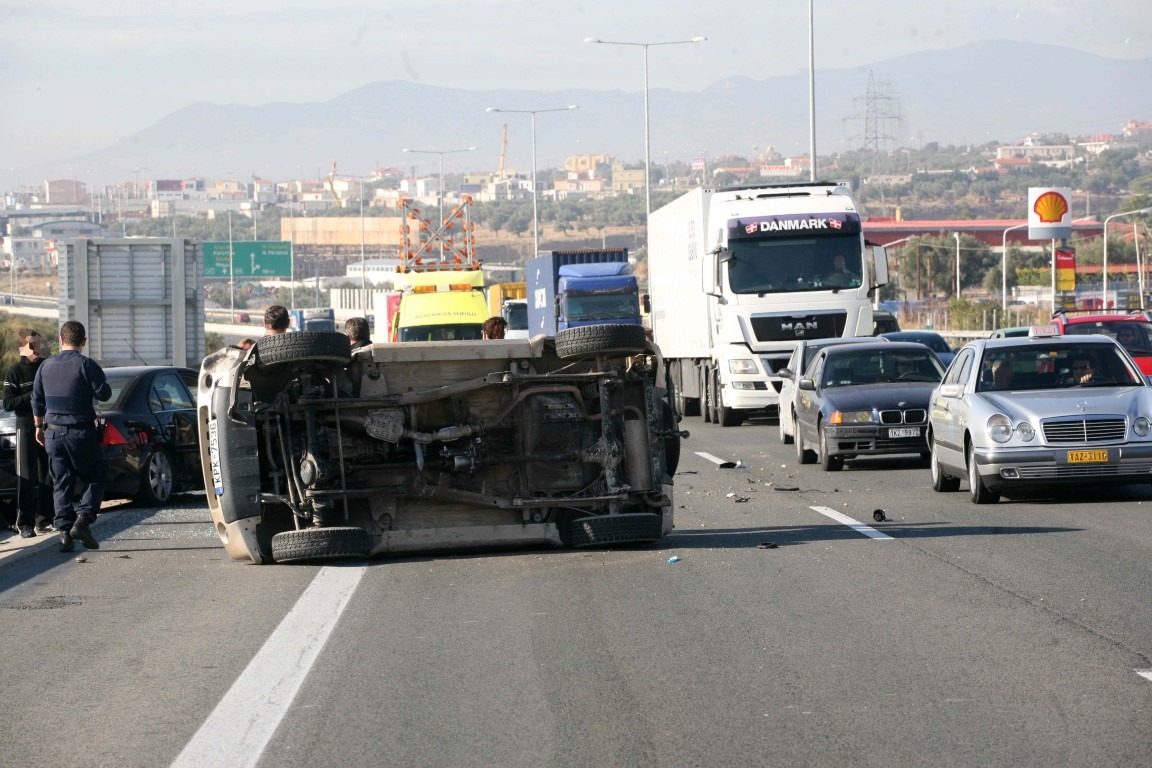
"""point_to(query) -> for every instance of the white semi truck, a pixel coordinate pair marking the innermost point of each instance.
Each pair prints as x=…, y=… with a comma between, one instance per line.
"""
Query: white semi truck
x=738, y=274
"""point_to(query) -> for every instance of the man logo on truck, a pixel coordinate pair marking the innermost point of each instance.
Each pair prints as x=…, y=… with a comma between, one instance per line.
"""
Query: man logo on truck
x=800, y=328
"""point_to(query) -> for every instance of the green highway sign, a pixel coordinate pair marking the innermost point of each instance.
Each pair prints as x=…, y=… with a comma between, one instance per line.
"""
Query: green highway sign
x=248, y=258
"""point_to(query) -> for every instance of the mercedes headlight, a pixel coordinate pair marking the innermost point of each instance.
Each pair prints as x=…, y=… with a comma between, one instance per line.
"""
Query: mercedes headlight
x=999, y=428
x=1026, y=431
x=1141, y=426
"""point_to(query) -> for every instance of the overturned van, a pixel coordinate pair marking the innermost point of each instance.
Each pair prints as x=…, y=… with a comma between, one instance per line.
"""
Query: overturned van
x=311, y=451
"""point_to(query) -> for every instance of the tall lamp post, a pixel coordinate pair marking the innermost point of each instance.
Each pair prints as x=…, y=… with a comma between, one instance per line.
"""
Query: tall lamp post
x=1004, y=267
x=811, y=94
x=957, y=236
x=1137, y=212
x=647, y=147
x=533, y=113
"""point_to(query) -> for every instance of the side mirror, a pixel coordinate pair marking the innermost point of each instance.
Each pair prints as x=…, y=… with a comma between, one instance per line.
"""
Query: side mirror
x=951, y=390
x=785, y=373
x=646, y=304
x=807, y=385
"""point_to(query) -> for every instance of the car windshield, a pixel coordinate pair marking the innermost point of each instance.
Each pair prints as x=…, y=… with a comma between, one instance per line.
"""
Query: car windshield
x=874, y=366
x=933, y=341
x=1055, y=366
x=1133, y=335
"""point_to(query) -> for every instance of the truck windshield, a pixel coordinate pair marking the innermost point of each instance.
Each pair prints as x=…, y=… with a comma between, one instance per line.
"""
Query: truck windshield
x=790, y=265
x=517, y=317
x=461, y=332
x=601, y=306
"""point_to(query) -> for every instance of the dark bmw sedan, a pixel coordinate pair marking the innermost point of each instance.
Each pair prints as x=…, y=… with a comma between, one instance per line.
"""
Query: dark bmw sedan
x=865, y=399
x=150, y=438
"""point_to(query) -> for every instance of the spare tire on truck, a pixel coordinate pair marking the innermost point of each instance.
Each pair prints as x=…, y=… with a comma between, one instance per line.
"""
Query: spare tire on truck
x=607, y=339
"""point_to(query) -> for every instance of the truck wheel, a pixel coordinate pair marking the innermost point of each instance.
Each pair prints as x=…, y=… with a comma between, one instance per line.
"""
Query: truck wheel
x=303, y=347
x=672, y=442
x=321, y=543
x=631, y=528
x=688, y=406
x=609, y=339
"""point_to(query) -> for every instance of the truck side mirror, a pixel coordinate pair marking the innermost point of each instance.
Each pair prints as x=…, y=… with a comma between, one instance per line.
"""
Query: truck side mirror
x=710, y=276
x=646, y=304
x=879, y=265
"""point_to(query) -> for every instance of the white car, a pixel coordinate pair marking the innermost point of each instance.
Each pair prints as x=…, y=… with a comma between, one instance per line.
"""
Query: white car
x=802, y=355
x=1038, y=412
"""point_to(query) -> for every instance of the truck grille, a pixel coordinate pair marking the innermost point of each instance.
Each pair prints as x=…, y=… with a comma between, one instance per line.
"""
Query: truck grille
x=823, y=325
x=1105, y=430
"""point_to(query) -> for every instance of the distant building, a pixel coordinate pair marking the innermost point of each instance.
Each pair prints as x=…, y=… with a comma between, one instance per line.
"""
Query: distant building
x=626, y=179
x=582, y=163
x=65, y=192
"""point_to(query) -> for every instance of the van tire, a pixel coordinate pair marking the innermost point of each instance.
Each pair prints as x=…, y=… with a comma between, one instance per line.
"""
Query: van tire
x=321, y=543
x=608, y=339
x=303, y=347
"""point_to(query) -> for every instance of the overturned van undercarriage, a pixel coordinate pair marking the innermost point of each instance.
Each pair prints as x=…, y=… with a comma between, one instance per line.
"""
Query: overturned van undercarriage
x=311, y=452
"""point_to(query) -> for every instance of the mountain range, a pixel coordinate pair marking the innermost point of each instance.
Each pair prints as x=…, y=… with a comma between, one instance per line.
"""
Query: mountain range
x=989, y=91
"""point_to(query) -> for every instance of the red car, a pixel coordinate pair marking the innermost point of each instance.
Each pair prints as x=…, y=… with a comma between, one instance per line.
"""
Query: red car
x=1132, y=330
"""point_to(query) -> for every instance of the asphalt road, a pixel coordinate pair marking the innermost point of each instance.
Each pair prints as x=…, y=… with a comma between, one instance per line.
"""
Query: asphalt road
x=794, y=630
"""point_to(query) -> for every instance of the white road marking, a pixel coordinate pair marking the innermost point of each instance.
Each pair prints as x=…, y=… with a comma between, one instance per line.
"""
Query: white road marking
x=722, y=463
x=856, y=525
x=1145, y=673
x=238, y=730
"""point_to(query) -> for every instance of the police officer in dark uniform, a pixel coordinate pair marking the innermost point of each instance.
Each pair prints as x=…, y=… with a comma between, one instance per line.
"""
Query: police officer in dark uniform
x=62, y=397
x=33, y=485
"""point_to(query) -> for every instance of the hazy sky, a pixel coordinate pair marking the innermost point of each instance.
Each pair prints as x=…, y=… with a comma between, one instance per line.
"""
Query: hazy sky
x=77, y=75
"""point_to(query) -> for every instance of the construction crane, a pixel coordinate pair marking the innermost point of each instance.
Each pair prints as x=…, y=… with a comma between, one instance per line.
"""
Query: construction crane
x=503, y=146
x=332, y=185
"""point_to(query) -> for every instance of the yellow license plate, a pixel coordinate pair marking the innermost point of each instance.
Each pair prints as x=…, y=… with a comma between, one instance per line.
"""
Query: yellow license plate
x=1087, y=457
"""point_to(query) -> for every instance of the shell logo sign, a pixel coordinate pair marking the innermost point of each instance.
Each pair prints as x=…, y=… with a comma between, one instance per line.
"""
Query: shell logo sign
x=1049, y=214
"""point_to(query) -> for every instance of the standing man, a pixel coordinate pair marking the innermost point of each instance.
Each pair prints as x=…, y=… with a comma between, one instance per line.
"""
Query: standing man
x=33, y=487
x=356, y=329
x=276, y=320
x=494, y=327
x=62, y=395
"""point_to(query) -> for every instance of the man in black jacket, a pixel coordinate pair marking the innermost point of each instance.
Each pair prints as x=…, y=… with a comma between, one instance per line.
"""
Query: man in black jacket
x=33, y=486
x=62, y=397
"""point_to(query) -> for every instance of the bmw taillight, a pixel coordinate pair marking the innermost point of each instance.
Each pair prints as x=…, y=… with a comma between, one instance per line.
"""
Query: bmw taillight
x=113, y=436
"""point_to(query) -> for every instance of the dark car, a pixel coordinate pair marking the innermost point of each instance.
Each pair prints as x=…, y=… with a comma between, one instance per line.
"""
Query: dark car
x=7, y=466
x=930, y=339
x=865, y=399
x=151, y=440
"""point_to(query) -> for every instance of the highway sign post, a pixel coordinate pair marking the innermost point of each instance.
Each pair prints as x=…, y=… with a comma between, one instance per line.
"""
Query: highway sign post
x=248, y=258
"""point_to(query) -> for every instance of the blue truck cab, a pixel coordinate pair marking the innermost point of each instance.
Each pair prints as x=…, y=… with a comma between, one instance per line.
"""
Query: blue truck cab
x=567, y=289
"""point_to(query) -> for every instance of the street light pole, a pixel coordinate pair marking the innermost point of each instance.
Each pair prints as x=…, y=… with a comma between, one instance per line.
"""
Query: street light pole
x=1140, y=211
x=811, y=94
x=1004, y=267
x=535, y=216
x=440, y=196
x=647, y=147
x=957, y=236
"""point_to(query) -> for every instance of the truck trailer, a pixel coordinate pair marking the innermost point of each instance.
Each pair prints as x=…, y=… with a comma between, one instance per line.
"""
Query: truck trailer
x=738, y=274
x=569, y=289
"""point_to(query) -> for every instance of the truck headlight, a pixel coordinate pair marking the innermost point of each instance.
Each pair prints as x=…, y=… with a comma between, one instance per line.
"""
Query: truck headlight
x=1141, y=426
x=850, y=417
x=742, y=366
x=999, y=428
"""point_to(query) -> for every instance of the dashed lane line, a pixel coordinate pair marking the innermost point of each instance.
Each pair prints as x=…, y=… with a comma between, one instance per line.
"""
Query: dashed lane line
x=855, y=525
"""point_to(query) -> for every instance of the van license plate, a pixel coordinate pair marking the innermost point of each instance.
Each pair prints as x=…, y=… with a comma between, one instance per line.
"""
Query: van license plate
x=904, y=432
x=1087, y=457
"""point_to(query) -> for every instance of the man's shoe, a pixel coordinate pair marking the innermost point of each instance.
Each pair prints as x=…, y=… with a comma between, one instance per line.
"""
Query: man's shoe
x=80, y=530
x=45, y=528
x=27, y=533
x=66, y=544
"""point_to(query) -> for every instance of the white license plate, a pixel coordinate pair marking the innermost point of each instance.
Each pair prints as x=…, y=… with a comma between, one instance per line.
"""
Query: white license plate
x=904, y=432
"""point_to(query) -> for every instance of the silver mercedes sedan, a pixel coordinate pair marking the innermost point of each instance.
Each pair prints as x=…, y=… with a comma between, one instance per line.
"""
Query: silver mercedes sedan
x=1038, y=412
